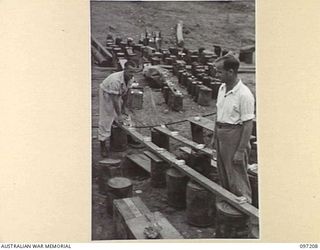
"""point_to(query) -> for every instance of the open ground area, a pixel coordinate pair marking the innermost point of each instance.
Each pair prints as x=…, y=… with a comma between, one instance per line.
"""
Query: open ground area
x=229, y=24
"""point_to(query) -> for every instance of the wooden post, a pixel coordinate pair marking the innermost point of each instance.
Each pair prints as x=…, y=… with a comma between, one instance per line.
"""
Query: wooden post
x=217, y=50
x=180, y=41
x=174, y=59
x=180, y=75
x=160, y=139
x=204, y=97
x=184, y=78
x=177, y=102
x=206, y=81
x=189, y=84
x=197, y=133
x=201, y=163
x=173, y=51
x=158, y=170
x=168, y=60
x=193, y=88
x=196, y=92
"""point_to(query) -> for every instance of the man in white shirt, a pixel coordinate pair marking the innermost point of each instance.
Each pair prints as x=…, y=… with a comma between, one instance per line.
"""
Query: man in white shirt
x=235, y=112
x=112, y=96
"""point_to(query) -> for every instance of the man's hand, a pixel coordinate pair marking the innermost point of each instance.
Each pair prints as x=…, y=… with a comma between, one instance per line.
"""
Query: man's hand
x=238, y=158
x=120, y=119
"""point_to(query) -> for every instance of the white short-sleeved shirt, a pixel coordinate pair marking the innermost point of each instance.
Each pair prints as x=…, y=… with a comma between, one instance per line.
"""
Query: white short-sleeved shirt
x=235, y=106
x=114, y=84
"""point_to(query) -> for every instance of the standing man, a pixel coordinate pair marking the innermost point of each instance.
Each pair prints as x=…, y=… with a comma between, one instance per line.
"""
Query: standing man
x=112, y=101
x=235, y=112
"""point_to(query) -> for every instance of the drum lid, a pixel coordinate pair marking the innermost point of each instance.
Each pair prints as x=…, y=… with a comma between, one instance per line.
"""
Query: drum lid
x=227, y=209
x=119, y=182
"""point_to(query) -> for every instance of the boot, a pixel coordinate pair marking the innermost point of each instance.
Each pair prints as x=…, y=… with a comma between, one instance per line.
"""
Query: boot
x=103, y=149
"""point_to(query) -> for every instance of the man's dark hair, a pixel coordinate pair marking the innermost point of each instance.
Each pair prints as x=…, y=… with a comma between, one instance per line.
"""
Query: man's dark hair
x=229, y=62
x=129, y=64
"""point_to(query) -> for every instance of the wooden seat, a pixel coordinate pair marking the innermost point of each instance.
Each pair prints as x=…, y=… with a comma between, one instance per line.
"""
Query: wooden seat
x=188, y=150
x=141, y=161
x=191, y=144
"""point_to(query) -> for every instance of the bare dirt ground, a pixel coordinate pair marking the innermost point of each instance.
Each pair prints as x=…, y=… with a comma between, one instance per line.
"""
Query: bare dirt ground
x=231, y=24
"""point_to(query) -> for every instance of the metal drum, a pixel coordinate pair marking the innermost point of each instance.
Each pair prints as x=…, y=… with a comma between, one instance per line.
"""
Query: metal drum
x=231, y=223
x=118, y=188
x=200, y=205
x=118, y=139
x=176, y=188
x=108, y=168
x=253, y=228
x=253, y=178
x=135, y=99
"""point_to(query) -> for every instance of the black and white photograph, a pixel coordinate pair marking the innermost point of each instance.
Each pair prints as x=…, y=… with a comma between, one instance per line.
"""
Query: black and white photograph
x=174, y=120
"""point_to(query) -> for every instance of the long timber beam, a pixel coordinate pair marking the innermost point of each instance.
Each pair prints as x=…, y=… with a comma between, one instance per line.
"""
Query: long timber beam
x=100, y=48
x=194, y=175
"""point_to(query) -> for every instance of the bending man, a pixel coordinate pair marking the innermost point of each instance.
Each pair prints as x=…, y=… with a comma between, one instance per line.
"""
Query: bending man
x=112, y=100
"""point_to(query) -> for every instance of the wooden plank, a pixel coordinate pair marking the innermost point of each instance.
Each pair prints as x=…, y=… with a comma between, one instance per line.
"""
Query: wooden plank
x=152, y=156
x=158, y=221
x=168, y=231
x=186, y=141
x=188, y=150
x=246, y=71
x=99, y=46
x=203, y=181
x=99, y=58
x=209, y=124
x=141, y=160
x=124, y=210
x=203, y=122
x=130, y=207
x=169, y=67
